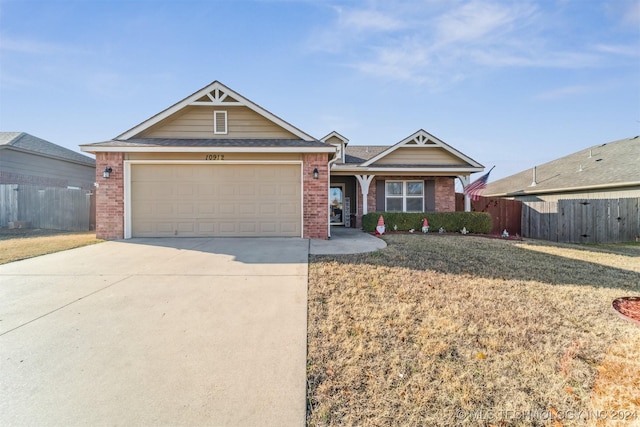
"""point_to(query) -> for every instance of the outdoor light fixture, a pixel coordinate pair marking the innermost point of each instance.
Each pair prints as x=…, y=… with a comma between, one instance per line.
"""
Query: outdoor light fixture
x=316, y=174
x=107, y=172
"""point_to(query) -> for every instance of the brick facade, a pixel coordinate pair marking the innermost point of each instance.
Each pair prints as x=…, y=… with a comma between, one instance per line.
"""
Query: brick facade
x=110, y=196
x=445, y=194
x=315, y=197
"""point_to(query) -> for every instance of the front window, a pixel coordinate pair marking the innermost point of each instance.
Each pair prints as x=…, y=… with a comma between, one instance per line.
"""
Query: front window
x=404, y=196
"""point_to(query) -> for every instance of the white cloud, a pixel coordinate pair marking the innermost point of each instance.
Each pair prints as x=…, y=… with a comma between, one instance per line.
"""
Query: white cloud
x=438, y=43
x=564, y=92
x=624, y=50
x=477, y=21
x=367, y=20
x=35, y=47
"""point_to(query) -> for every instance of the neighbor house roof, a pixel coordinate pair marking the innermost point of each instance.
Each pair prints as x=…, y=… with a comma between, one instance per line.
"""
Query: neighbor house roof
x=614, y=164
x=21, y=141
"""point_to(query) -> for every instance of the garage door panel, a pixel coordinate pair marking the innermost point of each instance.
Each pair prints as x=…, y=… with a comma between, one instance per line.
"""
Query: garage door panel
x=268, y=209
x=206, y=228
x=288, y=227
x=269, y=227
x=226, y=209
x=186, y=208
x=185, y=191
x=186, y=227
x=216, y=200
x=288, y=190
x=206, y=209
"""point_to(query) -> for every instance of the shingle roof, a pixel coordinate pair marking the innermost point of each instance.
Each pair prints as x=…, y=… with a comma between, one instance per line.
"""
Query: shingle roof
x=172, y=142
x=26, y=142
x=616, y=162
x=361, y=153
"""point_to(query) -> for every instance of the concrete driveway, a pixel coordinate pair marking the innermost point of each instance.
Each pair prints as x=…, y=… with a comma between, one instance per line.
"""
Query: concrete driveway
x=151, y=332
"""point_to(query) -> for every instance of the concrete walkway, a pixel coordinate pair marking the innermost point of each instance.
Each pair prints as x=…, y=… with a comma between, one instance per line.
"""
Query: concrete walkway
x=156, y=332
x=346, y=241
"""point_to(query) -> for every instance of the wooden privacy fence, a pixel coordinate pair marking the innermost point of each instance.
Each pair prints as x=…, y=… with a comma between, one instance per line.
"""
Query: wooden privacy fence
x=506, y=214
x=582, y=221
x=49, y=208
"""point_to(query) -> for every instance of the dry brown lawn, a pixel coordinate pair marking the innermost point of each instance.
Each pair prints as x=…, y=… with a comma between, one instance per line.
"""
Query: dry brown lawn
x=21, y=244
x=459, y=330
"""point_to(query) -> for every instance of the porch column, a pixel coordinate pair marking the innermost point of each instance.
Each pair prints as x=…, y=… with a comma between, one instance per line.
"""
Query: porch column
x=364, y=181
x=466, y=180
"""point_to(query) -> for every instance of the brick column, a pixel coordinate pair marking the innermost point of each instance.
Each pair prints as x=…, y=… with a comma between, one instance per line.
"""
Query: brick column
x=445, y=194
x=315, y=196
x=110, y=196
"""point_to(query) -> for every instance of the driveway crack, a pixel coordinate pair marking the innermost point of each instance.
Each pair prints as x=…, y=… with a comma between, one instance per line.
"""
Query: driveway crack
x=65, y=305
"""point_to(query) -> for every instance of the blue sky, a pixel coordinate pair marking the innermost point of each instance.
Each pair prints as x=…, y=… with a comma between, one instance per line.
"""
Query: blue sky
x=509, y=83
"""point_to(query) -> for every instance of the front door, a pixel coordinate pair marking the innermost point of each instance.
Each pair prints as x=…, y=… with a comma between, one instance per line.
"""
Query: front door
x=336, y=204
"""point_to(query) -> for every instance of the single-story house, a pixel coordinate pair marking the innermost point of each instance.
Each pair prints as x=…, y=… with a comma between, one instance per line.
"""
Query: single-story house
x=218, y=164
x=28, y=160
x=606, y=171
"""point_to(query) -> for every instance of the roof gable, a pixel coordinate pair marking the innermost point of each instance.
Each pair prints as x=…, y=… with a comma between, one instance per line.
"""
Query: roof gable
x=422, y=140
x=331, y=138
x=213, y=95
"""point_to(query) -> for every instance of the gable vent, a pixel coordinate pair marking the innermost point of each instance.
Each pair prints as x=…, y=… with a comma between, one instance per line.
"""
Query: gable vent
x=220, y=122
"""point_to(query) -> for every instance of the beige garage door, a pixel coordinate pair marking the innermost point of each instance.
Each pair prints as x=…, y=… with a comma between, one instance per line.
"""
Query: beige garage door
x=215, y=200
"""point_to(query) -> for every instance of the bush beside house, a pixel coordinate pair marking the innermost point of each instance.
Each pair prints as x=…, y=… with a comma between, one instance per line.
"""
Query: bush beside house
x=474, y=222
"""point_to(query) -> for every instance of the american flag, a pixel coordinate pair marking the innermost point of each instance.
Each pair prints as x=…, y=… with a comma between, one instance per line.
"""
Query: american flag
x=474, y=189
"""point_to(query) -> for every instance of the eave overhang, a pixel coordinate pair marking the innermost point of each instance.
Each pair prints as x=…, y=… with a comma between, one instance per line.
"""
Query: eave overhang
x=436, y=170
x=138, y=149
x=565, y=189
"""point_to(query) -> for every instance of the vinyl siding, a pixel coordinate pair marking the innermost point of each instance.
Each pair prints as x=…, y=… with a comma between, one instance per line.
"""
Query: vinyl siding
x=197, y=122
x=334, y=140
x=622, y=193
x=420, y=156
x=57, y=173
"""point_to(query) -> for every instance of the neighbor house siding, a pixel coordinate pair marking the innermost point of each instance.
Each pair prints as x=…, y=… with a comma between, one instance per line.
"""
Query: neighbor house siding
x=24, y=168
x=419, y=156
x=315, y=196
x=613, y=193
x=110, y=196
x=197, y=122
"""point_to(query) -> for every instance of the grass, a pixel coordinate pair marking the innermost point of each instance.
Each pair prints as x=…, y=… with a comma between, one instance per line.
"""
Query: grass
x=459, y=330
x=22, y=244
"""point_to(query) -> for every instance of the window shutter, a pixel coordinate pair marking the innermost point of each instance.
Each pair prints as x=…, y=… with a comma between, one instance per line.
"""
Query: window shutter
x=429, y=196
x=219, y=122
x=380, y=195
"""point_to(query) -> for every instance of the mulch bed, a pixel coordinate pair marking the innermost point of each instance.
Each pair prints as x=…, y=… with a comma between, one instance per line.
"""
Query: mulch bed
x=628, y=308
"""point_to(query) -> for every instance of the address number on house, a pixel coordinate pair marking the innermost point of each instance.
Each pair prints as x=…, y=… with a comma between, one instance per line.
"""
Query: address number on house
x=214, y=157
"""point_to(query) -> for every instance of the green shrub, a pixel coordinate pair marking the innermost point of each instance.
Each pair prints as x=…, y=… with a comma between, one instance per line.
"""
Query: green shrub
x=475, y=222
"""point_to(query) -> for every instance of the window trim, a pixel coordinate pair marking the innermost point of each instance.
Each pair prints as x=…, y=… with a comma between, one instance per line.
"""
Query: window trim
x=404, y=196
x=216, y=131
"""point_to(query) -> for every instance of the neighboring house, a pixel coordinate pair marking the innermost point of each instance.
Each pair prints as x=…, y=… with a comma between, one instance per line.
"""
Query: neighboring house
x=606, y=171
x=217, y=164
x=26, y=159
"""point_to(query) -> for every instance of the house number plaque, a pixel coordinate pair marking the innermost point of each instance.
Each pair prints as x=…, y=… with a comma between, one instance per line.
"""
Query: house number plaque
x=214, y=157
